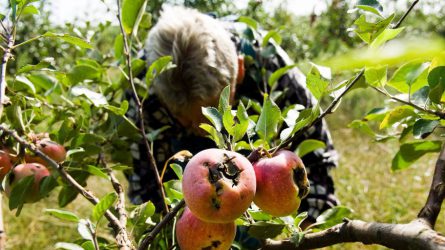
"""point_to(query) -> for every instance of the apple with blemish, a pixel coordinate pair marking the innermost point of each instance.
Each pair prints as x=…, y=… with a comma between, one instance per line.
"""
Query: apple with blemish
x=218, y=185
x=281, y=183
x=193, y=233
x=24, y=170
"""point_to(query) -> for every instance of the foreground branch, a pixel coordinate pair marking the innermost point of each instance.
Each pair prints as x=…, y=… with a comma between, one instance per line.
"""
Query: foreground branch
x=122, y=238
x=437, y=192
x=168, y=217
x=414, y=235
x=7, y=54
x=151, y=160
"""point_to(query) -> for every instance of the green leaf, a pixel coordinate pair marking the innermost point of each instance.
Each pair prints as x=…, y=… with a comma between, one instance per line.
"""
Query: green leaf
x=316, y=83
x=271, y=34
x=396, y=115
x=297, y=238
x=63, y=215
x=173, y=190
x=376, y=76
x=407, y=78
x=265, y=230
x=83, y=227
x=362, y=127
x=104, y=204
x=30, y=10
x=153, y=135
x=368, y=31
x=47, y=184
x=228, y=120
x=300, y=218
x=96, y=98
x=370, y=9
x=120, y=111
x=436, y=81
x=118, y=46
x=142, y=212
x=371, y=3
x=224, y=99
x=157, y=67
x=332, y=217
x=267, y=125
x=242, y=123
x=260, y=215
x=132, y=11
x=423, y=128
x=249, y=21
x=277, y=74
x=83, y=72
x=308, y=146
x=69, y=39
x=45, y=63
x=214, y=135
x=177, y=169
x=412, y=151
x=20, y=193
x=22, y=83
x=67, y=246
x=213, y=115
x=386, y=35
x=96, y=171
x=66, y=195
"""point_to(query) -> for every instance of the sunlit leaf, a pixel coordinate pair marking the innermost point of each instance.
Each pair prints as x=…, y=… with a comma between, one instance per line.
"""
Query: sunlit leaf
x=270, y=116
x=412, y=151
x=69, y=39
x=422, y=128
x=104, y=204
x=63, y=215
x=132, y=11
x=213, y=115
x=308, y=146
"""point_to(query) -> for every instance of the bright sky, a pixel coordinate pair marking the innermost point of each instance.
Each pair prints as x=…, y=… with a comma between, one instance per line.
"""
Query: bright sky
x=96, y=10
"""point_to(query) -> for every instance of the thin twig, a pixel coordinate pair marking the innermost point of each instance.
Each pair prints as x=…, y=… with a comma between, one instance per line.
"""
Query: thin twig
x=27, y=41
x=406, y=14
x=429, y=111
x=120, y=207
x=121, y=234
x=168, y=217
x=151, y=159
x=327, y=111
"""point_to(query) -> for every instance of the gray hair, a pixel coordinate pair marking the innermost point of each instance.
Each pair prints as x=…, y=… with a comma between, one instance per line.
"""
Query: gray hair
x=202, y=50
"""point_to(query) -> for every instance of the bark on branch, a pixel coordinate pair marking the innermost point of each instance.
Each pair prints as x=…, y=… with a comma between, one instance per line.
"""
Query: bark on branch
x=121, y=234
x=414, y=235
x=437, y=192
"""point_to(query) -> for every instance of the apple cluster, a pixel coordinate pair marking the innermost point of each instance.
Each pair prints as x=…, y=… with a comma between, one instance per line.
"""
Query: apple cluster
x=220, y=185
x=21, y=167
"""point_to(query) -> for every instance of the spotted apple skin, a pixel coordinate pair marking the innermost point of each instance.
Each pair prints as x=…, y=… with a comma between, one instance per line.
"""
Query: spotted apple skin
x=193, y=233
x=218, y=185
x=281, y=183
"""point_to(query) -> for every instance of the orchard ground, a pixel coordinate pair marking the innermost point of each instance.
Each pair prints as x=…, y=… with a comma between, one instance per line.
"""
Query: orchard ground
x=363, y=182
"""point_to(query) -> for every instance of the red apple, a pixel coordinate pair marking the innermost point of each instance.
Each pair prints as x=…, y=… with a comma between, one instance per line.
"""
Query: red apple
x=193, y=233
x=52, y=149
x=218, y=185
x=281, y=183
x=23, y=170
x=6, y=163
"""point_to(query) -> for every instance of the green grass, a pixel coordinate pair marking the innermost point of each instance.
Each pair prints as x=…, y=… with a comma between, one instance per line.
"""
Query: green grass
x=363, y=182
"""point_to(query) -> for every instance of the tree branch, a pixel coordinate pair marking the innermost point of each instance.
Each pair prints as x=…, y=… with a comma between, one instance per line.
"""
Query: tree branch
x=437, y=192
x=327, y=111
x=151, y=159
x=122, y=238
x=168, y=217
x=6, y=56
x=120, y=207
x=429, y=111
x=414, y=235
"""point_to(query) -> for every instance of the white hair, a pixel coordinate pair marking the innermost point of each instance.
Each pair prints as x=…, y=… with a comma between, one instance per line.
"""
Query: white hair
x=202, y=50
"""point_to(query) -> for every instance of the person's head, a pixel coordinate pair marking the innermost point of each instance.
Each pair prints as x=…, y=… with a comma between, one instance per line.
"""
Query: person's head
x=205, y=58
